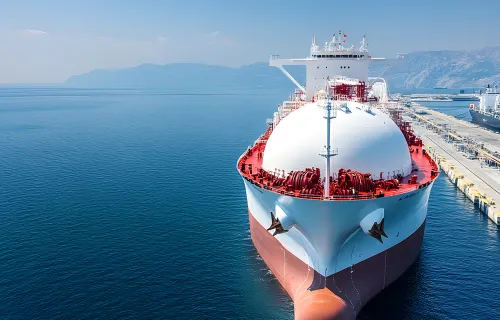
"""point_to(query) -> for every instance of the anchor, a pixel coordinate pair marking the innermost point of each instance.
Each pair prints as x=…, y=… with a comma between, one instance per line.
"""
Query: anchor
x=276, y=224
x=377, y=231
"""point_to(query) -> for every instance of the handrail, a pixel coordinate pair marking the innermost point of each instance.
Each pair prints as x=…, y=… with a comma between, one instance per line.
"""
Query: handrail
x=332, y=197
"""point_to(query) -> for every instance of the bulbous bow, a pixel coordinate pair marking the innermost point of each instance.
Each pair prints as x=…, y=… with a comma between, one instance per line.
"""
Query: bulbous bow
x=321, y=305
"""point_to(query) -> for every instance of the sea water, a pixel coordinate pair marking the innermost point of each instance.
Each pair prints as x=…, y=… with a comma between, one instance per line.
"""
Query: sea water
x=126, y=204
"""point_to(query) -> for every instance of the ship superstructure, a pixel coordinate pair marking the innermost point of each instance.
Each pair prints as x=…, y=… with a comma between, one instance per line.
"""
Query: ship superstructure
x=337, y=190
x=487, y=112
x=330, y=59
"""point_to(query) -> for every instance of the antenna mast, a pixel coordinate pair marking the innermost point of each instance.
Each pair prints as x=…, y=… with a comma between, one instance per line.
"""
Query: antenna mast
x=329, y=152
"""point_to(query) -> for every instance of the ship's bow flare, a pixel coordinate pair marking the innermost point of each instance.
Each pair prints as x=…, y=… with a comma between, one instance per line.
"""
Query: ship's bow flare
x=322, y=305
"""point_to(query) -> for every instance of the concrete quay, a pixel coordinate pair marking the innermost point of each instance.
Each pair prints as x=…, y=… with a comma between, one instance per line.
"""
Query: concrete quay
x=467, y=153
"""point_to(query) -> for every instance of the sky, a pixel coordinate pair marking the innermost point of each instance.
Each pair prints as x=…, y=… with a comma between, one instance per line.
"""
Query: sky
x=47, y=41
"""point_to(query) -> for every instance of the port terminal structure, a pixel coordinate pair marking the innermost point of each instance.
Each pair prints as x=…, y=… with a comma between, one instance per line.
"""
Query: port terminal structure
x=467, y=153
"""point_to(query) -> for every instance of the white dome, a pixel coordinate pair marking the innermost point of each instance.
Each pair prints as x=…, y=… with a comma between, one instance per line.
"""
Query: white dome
x=367, y=142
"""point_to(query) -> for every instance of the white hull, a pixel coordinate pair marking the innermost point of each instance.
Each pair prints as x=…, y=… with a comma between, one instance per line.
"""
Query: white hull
x=327, y=235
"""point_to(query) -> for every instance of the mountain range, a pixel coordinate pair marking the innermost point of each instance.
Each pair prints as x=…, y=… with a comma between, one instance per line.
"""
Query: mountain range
x=421, y=69
x=189, y=76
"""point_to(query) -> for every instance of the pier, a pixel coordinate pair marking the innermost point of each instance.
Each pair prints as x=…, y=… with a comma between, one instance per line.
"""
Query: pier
x=466, y=152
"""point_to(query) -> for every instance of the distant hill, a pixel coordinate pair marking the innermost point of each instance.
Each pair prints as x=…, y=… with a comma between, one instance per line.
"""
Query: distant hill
x=187, y=76
x=424, y=69
x=452, y=69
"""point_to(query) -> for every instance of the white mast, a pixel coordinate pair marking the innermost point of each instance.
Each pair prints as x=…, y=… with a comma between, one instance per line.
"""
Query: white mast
x=314, y=46
x=363, y=47
x=329, y=152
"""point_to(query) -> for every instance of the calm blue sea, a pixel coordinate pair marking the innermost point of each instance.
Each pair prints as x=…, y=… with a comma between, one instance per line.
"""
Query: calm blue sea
x=125, y=204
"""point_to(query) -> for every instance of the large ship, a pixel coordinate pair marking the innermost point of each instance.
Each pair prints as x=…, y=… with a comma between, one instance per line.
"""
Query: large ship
x=487, y=112
x=429, y=98
x=464, y=97
x=337, y=190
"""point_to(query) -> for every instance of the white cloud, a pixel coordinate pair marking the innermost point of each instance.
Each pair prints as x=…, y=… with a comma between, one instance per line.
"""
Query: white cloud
x=161, y=38
x=214, y=34
x=34, y=32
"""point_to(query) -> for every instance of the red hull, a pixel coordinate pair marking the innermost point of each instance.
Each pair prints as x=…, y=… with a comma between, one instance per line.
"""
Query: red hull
x=342, y=295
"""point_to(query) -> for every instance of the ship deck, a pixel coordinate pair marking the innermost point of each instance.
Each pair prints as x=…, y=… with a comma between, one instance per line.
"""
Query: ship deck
x=424, y=168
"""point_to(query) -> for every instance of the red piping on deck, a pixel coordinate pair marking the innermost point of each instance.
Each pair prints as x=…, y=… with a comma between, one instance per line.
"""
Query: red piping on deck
x=306, y=184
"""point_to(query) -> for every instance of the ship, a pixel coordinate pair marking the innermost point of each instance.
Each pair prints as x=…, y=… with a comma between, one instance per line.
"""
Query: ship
x=464, y=97
x=428, y=98
x=487, y=112
x=337, y=190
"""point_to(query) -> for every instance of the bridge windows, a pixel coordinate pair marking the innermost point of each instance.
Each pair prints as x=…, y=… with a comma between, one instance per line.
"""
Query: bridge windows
x=332, y=56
